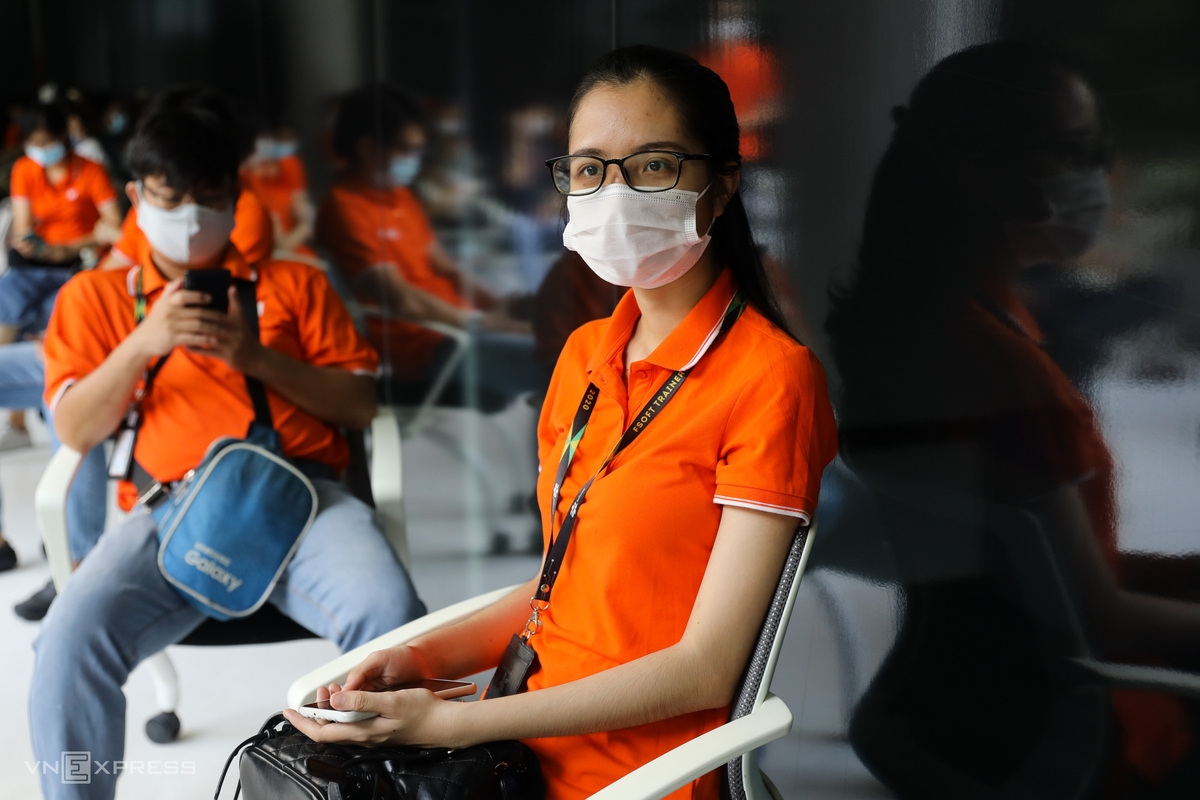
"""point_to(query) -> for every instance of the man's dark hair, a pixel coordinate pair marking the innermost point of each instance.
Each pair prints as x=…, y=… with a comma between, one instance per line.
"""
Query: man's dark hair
x=378, y=111
x=44, y=117
x=189, y=148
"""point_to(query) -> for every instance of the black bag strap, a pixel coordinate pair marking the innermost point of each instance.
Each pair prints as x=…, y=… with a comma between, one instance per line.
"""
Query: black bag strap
x=248, y=299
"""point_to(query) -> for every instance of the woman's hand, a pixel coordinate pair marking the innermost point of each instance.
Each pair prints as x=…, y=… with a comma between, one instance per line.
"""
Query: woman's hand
x=385, y=668
x=410, y=717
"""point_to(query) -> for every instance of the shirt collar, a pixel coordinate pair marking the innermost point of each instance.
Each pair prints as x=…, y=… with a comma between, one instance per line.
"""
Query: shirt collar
x=153, y=280
x=685, y=346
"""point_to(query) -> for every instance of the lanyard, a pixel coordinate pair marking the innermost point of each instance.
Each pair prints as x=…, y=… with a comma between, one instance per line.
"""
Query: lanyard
x=558, y=542
x=139, y=316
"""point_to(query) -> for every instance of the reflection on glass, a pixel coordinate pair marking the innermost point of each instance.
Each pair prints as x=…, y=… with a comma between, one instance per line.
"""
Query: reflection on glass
x=998, y=484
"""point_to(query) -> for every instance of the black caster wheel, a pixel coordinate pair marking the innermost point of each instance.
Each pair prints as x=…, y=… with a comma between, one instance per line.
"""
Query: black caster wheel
x=163, y=728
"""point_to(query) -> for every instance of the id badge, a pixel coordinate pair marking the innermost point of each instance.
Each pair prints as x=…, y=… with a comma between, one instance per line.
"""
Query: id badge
x=513, y=672
x=120, y=465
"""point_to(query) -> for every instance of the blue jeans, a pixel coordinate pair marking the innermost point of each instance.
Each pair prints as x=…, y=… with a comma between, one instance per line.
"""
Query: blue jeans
x=22, y=378
x=344, y=583
x=27, y=295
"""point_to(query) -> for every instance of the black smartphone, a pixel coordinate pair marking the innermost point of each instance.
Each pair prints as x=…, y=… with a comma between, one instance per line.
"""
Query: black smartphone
x=213, y=282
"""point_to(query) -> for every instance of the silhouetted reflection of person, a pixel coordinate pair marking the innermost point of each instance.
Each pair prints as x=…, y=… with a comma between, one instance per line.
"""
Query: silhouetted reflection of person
x=998, y=163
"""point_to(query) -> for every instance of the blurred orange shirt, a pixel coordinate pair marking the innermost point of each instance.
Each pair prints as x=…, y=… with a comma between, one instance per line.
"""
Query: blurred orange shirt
x=364, y=228
x=66, y=212
x=751, y=427
x=252, y=233
x=275, y=183
x=751, y=72
x=197, y=398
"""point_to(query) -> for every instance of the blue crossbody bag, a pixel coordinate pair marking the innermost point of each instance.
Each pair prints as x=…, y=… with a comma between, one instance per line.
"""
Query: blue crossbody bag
x=228, y=530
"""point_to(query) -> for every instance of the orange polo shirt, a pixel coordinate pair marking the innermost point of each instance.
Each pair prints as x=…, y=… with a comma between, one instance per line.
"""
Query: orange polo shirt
x=275, y=183
x=362, y=228
x=751, y=426
x=197, y=398
x=252, y=233
x=68, y=211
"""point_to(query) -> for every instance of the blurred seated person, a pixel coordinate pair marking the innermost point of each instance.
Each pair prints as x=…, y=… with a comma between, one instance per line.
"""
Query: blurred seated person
x=275, y=173
x=58, y=199
x=344, y=582
x=81, y=128
x=252, y=235
x=570, y=295
x=377, y=233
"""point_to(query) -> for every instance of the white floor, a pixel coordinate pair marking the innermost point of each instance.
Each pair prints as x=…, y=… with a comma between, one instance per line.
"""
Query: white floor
x=228, y=692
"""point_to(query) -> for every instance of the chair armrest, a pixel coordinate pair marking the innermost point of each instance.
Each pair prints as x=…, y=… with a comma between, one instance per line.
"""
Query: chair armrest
x=387, y=480
x=703, y=754
x=304, y=689
x=1136, y=676
x=50, y=502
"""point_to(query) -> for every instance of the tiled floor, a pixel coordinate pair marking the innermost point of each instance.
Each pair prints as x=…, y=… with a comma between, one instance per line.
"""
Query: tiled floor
x=228, y=692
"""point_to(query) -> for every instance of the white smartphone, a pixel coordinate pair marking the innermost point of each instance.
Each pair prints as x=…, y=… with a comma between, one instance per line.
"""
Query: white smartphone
x=447, y=690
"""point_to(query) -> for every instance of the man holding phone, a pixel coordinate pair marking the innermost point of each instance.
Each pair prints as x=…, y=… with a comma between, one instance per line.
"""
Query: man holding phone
x=108, y=332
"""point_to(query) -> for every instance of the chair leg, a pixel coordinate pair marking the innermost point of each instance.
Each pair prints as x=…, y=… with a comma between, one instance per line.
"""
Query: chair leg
x=164, y=726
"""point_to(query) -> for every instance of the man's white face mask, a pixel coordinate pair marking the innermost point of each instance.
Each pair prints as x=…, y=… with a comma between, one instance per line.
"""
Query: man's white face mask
x=638, y=239
x=188, y=234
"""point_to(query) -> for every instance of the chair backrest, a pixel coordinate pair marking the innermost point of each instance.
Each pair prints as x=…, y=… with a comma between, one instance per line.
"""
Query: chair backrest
x=757, y=679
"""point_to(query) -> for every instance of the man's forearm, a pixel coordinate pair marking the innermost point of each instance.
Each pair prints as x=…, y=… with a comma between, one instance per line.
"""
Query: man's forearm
x=90, y=410
x=328, y=393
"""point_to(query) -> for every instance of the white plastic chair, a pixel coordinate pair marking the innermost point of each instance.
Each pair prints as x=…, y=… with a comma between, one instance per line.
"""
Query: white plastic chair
x=758, y=717
x=386, y=486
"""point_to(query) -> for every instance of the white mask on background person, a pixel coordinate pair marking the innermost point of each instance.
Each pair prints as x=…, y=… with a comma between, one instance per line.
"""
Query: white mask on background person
x=1079, y=203
x=402, y=170
x=638, y=239
x=264, y=148
x=49, y=156
x=283, y=149
x=188, y=234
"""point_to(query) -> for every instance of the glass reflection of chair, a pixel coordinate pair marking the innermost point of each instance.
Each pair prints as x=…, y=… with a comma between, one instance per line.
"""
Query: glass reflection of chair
x=945, y=544
x=757, y=717
x=377, y=482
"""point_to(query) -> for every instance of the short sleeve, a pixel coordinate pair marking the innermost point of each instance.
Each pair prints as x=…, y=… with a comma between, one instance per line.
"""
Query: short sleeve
x=20, y=179
x=79, y=335
x=252, y=234
x=780, y=436
x=327, y=333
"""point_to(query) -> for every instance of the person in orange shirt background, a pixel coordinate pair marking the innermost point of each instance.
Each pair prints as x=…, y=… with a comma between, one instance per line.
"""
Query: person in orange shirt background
x=61, y=202
x=376, y=232
x=276, y=175
x=672, y=557
x=58, y=199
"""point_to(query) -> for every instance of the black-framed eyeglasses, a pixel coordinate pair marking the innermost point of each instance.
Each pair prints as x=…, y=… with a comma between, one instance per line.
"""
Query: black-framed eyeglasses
x=647, y=171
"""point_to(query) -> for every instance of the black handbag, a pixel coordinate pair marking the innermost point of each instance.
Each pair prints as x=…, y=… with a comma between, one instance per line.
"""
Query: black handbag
x=281, y=763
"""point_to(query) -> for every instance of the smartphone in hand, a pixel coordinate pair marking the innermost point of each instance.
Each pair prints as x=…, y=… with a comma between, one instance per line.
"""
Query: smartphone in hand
x=213, y=282
x=447, y=690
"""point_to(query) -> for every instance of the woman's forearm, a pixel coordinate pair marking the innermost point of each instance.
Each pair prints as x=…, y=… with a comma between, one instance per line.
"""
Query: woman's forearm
x=476, y=643
x=658, y=686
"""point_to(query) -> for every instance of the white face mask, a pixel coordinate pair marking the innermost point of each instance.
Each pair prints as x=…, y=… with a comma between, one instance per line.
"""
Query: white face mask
x=1079, y=203
x=188, y=234
x=639, y=239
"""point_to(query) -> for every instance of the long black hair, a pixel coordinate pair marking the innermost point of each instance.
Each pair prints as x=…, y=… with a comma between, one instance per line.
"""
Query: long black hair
x=706, y=112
